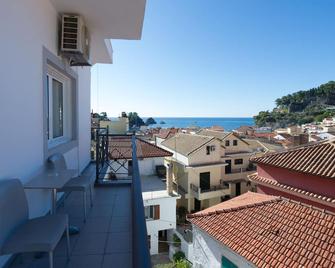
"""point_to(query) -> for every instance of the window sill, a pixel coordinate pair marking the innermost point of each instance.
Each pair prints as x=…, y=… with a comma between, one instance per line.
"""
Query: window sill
x=61, y=147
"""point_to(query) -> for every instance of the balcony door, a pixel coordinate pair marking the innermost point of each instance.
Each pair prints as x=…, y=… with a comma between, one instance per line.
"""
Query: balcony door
x=205, y=181
x=228, y=167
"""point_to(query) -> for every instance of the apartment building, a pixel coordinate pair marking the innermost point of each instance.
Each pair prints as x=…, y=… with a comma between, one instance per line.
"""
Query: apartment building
x=209, y=167
x=293, y=207
x=47, y=88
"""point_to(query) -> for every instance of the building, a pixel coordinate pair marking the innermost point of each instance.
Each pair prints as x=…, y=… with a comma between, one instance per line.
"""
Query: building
x=38, y=81
x=160, y=212
x=258, y=230
x=208, y=167
x=165, y=133
x=305, y=174
x=117, y=126
x=244, y=131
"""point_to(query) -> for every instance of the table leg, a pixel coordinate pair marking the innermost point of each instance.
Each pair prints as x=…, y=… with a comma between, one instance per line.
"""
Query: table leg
x=53, y=201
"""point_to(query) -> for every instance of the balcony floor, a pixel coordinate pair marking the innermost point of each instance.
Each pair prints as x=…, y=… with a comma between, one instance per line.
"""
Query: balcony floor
x=105, y=240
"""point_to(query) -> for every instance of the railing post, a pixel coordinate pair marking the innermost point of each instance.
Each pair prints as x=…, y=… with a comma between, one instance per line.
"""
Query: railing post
x=97, y=155
x=141, y=255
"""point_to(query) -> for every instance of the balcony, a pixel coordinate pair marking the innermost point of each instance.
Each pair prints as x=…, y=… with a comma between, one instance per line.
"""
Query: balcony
x=115, y=232
x=214, y=191
x=239, y=173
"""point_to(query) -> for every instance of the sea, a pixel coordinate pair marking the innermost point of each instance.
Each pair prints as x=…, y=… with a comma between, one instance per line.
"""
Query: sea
x=228, y=123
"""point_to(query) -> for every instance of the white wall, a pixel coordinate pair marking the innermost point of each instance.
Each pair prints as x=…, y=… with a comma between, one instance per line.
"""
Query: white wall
x=167, y=219
x=34, y=25
x=207, y=252
x=147, y=166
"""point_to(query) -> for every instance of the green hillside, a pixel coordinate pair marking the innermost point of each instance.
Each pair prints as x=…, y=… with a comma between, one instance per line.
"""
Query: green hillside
x=301, y=107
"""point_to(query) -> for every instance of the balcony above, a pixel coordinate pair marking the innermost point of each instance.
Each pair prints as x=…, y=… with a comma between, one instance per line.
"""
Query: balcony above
x=214, y=191
x=114, y=19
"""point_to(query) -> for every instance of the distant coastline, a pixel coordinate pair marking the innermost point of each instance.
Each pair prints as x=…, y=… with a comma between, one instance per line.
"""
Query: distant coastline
x=228, y=123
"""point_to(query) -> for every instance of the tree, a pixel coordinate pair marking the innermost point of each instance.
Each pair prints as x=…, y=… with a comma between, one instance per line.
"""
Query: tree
x=150, y=121
x=135, y=120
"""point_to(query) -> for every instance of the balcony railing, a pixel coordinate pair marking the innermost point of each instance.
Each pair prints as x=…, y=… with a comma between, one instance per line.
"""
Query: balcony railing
x=197, y=189
x=241, y=170
x=141, y=255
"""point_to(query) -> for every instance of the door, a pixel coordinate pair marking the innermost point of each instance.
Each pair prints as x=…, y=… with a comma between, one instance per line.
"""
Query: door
x=238, y=188
x=130, y=167
x=205, y=181
x=228, y=167
x=197, y=205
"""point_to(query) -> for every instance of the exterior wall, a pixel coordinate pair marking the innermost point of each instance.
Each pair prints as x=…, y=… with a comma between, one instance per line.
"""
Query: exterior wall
x=207, y=252
x=200, y=156
x=307, y=182
x=116, y=126
x=147, y=166
x=22, y=91
x=241, y=146
x=167, y=219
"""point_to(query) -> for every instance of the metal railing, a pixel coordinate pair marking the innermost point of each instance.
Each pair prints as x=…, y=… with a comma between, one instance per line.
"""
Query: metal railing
x=197, y=189
x=141, y=255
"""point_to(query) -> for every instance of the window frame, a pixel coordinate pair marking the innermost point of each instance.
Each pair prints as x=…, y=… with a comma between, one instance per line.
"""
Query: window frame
x=50, y=60
x=53, y=74
x=227, y=143
x=235, y=142
x=237, y=162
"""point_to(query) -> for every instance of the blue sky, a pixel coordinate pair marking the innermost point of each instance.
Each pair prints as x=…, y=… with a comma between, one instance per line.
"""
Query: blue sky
x=219, y=58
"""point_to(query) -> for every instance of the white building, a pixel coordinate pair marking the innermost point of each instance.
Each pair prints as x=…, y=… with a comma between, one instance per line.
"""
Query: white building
x=37, y=82
x=160, y=212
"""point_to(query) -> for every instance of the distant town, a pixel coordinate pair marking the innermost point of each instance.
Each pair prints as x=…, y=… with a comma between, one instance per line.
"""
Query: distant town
x=194, y=181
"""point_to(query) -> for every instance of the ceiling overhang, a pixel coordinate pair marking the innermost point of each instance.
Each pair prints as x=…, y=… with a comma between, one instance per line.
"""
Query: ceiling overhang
x=106, y=20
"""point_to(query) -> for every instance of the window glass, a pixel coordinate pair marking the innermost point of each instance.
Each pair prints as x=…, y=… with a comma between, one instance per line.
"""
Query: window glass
x=238, y=161
x=57, y=109
x=235, y=142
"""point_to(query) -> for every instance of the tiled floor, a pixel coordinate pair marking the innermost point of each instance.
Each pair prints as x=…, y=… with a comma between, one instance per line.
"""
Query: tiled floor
x=104, y=240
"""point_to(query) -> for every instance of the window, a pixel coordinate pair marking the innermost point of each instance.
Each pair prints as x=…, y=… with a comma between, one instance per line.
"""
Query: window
x=59, y=108
x=209, y=149
x=234, y=142
x=238, y=161
x=152, y=212
x=227, y=143
x=225, y=263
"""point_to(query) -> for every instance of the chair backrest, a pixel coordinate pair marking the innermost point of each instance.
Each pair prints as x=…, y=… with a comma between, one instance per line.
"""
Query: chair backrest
x=57, y=162
x=13, y=208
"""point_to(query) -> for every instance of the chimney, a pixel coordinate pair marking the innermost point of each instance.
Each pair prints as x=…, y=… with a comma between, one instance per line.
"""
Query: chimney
x=169, y=183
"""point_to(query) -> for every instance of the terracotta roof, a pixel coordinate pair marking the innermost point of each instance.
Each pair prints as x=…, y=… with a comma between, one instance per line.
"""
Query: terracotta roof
x=186, y=144
x=274, y=233
x=294, y=190
x=120, y=148
x=212, y=133
x=317, y=159
x=166, y=133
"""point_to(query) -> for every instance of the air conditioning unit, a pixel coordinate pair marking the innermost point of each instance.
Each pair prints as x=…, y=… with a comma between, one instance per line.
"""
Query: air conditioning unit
x=75, y=42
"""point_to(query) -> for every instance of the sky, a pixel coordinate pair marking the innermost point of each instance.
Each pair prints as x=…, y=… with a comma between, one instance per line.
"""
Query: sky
x=217, y=58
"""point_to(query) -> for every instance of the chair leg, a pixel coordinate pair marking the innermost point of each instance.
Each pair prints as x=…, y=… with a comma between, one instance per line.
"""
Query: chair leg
x=68, y=242
x=91, y=195
x=51, y=259
x=84, y=201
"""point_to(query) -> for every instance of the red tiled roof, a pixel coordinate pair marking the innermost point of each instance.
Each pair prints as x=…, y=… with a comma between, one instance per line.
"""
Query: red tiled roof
x=167, y=133
x=317, y=159
x=273, y=183
x=274, y=233
x=120, y=148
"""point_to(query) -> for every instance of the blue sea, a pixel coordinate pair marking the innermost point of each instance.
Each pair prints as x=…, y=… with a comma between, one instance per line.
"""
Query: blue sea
x=228, y=123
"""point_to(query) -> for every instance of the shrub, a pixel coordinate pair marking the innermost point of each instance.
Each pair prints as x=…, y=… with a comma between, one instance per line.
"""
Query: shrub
x=176, y=240
x=178, y=256
x=183, y=264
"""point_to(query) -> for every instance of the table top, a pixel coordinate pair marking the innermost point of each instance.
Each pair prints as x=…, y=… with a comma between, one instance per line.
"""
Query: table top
x=51, y=179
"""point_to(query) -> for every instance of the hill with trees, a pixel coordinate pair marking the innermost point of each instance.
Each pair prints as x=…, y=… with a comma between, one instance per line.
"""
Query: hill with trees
x=301, y=107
